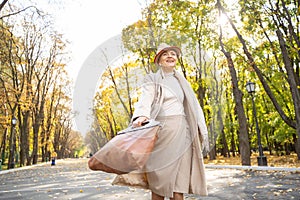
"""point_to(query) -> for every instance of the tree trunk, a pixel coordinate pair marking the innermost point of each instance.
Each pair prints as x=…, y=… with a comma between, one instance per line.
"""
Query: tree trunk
x=232, y=143
x=11, y=157
x=231, y=129
x=3, y=146
x=244, y=145
x=225, y=151
x=34, y=154
x=244, y=136
x=21, y=139
x=293, y=87
x=25, y=137
x=43, y=145
x=212, y=153
x=118, y=92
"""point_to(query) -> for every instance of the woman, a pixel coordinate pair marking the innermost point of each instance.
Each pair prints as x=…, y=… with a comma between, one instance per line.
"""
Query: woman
x=176, y=164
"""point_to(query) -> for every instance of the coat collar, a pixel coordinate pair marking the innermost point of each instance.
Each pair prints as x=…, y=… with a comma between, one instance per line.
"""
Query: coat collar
x=162, y=75
x=192, y=102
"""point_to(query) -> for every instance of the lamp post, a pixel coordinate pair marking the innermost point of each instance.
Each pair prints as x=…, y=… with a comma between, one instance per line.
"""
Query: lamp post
x=261, y=159
x=12, y=142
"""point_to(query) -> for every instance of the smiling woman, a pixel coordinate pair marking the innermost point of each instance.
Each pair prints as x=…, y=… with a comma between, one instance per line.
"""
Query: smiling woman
x=175, y=165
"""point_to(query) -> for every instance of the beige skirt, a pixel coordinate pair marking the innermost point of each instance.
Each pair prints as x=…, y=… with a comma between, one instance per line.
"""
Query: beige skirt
x=169, y=166
x=168, y=169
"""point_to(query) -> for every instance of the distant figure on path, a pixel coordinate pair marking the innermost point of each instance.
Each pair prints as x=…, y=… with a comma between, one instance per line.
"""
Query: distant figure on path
x=53, y=158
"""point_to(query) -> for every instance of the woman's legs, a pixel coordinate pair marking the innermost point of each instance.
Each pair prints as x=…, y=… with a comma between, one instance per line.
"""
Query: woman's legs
x=156, y=196
x=177, y=196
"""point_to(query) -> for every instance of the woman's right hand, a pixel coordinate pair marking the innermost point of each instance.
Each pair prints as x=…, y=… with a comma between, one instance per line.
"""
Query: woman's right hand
x=138, y=122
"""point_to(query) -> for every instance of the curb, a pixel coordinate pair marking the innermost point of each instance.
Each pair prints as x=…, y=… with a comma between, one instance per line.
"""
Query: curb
x=207, y=166
x=23, y=168
x=255, y=168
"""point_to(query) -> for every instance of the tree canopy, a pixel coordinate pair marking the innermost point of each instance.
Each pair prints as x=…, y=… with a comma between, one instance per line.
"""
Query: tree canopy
x=224, y=46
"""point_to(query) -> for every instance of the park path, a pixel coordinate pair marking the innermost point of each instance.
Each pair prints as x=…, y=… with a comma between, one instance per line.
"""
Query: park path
x=71, y=179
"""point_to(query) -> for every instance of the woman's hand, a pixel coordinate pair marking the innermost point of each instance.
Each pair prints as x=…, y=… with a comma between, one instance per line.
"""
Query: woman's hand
x=138, y=122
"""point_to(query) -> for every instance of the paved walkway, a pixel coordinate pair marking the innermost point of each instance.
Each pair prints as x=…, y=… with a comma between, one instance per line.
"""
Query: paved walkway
x=71, y=179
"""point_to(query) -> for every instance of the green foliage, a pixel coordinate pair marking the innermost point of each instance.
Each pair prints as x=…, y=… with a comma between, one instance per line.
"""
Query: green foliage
x=194, y=26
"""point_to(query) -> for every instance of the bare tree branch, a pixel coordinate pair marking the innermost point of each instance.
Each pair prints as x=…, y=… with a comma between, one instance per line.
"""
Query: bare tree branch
x=19, y=11
x=3, y=4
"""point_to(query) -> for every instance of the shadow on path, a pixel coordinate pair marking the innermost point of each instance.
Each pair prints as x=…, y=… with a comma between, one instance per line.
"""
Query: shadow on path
x=71, y=179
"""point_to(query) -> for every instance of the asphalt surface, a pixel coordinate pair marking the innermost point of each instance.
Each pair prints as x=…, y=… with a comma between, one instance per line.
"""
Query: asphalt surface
x=71, y=179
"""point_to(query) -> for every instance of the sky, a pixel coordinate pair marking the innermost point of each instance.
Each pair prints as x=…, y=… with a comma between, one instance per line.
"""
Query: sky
x=88, y=25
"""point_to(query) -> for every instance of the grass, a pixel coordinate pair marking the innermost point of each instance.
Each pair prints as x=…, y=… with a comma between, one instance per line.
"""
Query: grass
x=273, y=160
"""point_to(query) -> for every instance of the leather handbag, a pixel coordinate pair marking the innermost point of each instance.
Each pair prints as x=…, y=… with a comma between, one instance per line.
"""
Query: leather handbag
x=129, y=150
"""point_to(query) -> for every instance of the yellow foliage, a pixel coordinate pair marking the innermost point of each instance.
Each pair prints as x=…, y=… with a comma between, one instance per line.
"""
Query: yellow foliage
x=273, y=160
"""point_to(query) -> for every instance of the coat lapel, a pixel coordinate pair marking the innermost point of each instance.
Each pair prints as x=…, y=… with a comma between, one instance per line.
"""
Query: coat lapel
x=196, y=121
x=196, y=112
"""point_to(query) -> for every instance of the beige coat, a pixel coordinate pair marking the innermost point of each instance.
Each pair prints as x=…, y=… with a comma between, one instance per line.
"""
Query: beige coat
x=149, y=105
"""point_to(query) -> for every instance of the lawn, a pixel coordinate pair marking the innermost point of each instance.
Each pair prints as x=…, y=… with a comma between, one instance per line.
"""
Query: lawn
x=273, y=160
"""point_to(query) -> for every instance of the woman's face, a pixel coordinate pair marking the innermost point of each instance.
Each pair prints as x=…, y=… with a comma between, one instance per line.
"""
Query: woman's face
x=168, y=59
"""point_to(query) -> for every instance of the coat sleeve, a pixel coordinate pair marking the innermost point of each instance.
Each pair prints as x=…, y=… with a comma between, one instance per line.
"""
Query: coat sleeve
x=143, y=106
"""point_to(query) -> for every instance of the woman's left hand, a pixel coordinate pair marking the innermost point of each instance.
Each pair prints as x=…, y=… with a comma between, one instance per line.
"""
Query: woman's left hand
x=138, y=122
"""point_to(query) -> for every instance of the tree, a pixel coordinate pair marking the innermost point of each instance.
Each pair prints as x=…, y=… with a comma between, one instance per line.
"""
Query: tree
x=243, y=137
x=281, y=18
x=32, y=74
x=259, y=41
x=10, y=78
